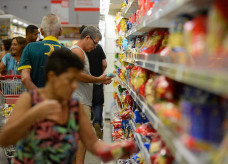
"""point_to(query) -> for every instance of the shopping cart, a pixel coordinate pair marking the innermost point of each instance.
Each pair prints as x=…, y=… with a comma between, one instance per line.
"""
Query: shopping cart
x=10, y=89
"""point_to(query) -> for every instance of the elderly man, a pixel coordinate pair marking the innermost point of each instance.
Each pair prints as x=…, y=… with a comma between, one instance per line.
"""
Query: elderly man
x=36, y=53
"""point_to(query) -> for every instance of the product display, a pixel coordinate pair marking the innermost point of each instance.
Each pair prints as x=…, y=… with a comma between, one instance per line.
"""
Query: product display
x=169, y=103
x=161, y=106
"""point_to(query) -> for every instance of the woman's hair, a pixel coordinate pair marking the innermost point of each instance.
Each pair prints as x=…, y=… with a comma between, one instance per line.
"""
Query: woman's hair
x=21, y=41
x=7, y=44
x=61, y=60
x=50, y=25
x=92, y=31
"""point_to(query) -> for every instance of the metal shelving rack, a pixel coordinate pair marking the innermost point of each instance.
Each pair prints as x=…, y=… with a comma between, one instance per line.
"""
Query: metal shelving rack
x=181, y=153
x=138, y=139
x=210, y=80
x=164, y=11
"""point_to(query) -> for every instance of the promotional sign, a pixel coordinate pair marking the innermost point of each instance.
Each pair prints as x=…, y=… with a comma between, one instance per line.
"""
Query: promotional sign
x=87, y=5
x=61, y=9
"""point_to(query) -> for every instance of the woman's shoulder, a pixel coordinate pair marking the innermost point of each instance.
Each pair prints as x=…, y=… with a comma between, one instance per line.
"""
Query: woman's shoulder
x=7, y=55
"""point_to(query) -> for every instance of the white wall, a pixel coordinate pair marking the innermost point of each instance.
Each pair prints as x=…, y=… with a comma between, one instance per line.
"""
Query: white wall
x=110, y=48
x=36, y=9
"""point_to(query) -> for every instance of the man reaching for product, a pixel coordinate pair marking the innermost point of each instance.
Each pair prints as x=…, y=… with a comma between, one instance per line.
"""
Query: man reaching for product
x=88, y=41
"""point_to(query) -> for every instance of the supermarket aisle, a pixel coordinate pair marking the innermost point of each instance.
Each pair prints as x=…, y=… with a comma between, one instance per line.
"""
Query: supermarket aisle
x=90, y=158
x=107, y=135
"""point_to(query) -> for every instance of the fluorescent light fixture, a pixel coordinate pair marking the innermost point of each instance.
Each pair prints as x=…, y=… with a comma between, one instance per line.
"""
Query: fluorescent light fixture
x=20, y=23
x=15, y=21
x=25, y=25
x=104, y=6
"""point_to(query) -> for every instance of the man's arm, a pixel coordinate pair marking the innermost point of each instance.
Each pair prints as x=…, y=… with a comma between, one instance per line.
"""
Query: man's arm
x=86, y=78
x=104, y=65
x=26, y=79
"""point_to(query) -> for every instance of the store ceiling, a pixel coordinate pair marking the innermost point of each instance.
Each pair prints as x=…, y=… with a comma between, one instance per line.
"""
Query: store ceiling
x=115, y=6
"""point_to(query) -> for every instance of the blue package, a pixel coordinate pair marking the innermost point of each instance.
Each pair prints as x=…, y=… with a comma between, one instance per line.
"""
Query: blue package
x=137, y=117
x=110, y=75
x=215, y=121
x=147, y=145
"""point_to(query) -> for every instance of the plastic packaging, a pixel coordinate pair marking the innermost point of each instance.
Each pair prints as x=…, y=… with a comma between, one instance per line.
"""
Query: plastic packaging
x=117, y=150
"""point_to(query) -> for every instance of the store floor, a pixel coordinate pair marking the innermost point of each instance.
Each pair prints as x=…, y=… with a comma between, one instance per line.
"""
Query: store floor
x=3, y=159
x=90, y=159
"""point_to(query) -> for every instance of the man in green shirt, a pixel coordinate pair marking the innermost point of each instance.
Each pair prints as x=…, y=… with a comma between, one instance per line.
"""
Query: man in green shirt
x=35, y=54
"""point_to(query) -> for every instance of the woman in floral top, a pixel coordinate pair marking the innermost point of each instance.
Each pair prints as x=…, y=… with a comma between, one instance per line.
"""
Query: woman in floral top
x=45, y=122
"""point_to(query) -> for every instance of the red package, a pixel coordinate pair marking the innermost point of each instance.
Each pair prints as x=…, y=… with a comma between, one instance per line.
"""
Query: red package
x=199, y=35
x=118, y=134
x=164, y=42
x=150, y=4
x=146, y=129
x=153, y=42
x=116, y=124
x=164, y=89
x=129, y=101
x=142, y=89
x=126, y=114
x=116, y=151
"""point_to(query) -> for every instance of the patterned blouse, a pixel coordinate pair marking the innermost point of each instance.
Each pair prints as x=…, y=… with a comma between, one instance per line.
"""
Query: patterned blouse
x=49, y=142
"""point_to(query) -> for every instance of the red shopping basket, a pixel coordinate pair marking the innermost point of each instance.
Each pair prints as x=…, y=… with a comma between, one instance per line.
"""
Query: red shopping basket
x=11, y=88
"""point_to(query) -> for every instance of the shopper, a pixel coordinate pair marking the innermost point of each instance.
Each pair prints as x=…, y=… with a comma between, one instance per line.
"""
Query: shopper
x=11, y=60
x=46, y=122
x=31, y=33
x=6, y=44
x=36, y=53
x=88, y=41
x=98, y=64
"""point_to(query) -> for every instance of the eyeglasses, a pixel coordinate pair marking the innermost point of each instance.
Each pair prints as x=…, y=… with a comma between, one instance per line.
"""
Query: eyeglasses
x=95, y=43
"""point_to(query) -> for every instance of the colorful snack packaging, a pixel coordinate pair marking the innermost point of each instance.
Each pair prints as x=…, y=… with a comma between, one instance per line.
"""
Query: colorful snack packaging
x=117, y=151
x=146, y=129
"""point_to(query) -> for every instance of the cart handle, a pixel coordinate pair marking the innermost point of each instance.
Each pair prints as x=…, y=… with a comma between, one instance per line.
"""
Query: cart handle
x=11, y=76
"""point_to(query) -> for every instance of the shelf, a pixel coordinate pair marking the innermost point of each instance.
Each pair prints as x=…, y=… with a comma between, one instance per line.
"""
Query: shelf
x=181, y=153
x=131, y=8
x=163, y=12
x=137, y=138
x=140, y=144
x=210, y=80
x=118, y=20
x=118, y=64
x=4, y=34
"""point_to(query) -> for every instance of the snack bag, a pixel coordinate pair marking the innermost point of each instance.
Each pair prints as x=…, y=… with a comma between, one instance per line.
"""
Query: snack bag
x=153, y=43
x=116, y=151
x=132, y=75
x=137, y=117
x=140, y=78
x=217, y=27
x=164, y=42
x=164, y=89
x=146, y=130
x=164, y=156
x=126, y=114
x=176, y=44
x=199, y=33
x=149, y=90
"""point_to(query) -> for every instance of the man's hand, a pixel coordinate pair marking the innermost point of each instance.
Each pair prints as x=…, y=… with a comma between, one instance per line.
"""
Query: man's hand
x=104, y=79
